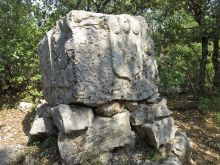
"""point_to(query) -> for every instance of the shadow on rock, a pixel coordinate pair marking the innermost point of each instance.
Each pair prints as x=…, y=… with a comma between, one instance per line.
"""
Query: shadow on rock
x=27, y=122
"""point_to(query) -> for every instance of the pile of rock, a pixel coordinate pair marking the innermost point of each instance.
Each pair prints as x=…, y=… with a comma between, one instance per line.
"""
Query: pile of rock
x=100, y=81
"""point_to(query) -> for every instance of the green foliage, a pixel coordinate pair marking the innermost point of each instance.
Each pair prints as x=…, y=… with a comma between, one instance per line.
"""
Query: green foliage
x=23, y=24
x=30, y=93
x=210, y=104
x=176, y=65
x=218, y=118
x=18, y=41
x=177, y=28
x=203, y=104
x=107, y=6
x=49, y=142
x=156, y=156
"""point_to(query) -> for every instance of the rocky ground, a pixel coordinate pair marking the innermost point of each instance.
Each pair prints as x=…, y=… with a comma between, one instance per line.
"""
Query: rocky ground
x=202, y=130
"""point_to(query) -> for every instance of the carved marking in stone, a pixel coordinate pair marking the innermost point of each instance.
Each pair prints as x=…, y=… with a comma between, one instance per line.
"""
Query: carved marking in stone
x=126, y=48
x=136, y=27
x=125, y=25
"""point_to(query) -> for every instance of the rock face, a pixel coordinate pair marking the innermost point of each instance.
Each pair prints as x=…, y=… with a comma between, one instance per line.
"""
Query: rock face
x=153, y=122
x=157, y=133
x=100, y=80
x=72, y=118
x=180, y=148
x=145, y=113
x=43, y=124
x=104, y=135
x=11, y=154
x=95, y=58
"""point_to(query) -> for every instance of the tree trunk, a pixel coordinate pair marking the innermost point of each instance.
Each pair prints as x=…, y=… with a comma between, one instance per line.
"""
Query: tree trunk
x=216, y=60
x=203, y=62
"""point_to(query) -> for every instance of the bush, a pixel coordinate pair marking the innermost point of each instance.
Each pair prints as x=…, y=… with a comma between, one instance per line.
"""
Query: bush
x=178, y=67
x=18, y=47
x=210, y=104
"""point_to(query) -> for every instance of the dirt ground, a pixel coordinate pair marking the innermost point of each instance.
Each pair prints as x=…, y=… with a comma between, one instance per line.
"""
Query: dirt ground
x=14, y=127
x=202, y=130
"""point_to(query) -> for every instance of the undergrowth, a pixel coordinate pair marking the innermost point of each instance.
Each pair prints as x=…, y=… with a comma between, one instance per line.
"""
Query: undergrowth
x=210, y=103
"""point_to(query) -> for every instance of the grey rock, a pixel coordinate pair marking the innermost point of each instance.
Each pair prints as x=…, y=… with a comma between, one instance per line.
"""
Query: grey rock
x=43, y=124
x=56, y=163
x=105, y=157
x=69, y=118
x=94, y=58
x=11, y=154
x=109, y=109
x=157, y=133
x=41, y=102
x=172, y=161
x=25, y=106
x=104, y=135
x=146, y=113
x=43, y=110
x=147, y=162
x=154, y=98
x=96, y=157
x=180, y=147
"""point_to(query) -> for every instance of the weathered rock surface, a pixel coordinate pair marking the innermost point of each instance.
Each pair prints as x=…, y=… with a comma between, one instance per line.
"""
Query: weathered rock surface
x=94, y=58
x=11, y=154
x=180, y=148
x=153, y=99
x=42, y=127
x=148, y=113
x=172, y=161
x=109, y=109
x=43, y=124
x=157, y=133
x=104, y=135
x=69, y=118
x=25, y=106
x=29, y=160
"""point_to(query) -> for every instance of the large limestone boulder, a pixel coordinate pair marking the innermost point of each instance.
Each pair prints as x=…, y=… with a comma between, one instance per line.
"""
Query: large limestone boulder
x=105, y=134
x=94, y=58
x=95, y=67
